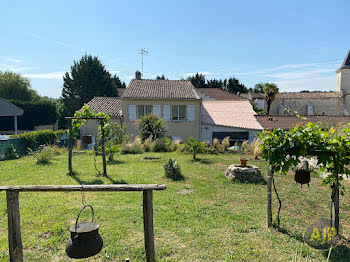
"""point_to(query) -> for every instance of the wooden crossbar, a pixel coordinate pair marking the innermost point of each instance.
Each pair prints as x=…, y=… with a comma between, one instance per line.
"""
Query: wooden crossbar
x=14, y=224
x=120, y=187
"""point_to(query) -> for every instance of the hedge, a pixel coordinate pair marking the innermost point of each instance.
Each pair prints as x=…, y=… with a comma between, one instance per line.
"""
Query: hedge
x=35, y=139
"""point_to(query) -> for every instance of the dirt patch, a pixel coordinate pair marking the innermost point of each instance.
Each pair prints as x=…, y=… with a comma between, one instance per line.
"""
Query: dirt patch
x=186, y=191
x=47, y=234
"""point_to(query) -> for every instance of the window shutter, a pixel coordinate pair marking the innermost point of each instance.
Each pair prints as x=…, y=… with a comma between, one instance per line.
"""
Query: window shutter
x=156, y=110
x=191, y=112
x=310, y=109
x=132, y=112
x=166, y=112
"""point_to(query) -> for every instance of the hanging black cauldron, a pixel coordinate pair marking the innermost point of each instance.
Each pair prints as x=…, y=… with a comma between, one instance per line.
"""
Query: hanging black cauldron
x=85, y=240
x=86, y=140
x=302, y=175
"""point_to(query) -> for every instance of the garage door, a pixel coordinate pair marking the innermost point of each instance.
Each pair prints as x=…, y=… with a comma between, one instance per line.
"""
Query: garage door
x=234, y=136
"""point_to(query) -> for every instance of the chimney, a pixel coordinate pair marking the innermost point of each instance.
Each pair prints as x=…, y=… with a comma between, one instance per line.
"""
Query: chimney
x=138, y=75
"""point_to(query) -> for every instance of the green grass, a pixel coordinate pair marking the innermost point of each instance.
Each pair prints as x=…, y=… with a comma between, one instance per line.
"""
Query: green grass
x=202, y=218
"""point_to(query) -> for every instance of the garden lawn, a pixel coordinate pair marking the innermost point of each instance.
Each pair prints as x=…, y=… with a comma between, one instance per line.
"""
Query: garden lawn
x=202, y=218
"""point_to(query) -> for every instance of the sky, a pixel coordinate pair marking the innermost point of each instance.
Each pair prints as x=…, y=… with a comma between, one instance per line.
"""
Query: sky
x=297, y=44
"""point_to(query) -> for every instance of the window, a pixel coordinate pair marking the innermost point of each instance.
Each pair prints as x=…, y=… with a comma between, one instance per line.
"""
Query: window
x=178, y=113
x=143, y=110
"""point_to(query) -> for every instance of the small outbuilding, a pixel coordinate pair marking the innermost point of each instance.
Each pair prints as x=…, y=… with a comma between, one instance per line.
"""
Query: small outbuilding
x=9, y=109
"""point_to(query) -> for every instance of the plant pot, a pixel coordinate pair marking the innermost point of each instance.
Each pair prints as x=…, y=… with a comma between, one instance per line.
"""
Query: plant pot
x=302, y=176
x=243, y=162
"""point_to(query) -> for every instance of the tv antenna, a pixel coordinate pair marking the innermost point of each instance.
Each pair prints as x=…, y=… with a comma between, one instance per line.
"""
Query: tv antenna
x=143, y=52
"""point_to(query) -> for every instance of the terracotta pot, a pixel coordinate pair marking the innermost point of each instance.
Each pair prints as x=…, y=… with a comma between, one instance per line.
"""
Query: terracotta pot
x=243, y=162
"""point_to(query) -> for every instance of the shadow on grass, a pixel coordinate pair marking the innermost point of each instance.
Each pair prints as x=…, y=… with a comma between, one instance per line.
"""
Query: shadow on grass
x=75, y=176
x=339, y=253
x=202, y=161
x=290, y=234
x=115, y=162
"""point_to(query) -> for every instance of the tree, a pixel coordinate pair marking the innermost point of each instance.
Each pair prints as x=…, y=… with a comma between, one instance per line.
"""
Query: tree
x=258, y=88
x=194, y=146
x=118, y=83
x=15, y=86
x=162, y=77
x=270, y=90
x=150, y=126
x=87, y=78
x=234, y=86
x=198, y=80
x=214, y=83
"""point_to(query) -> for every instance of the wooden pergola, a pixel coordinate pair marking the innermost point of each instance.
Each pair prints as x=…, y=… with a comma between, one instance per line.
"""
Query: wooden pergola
x=14, y=224
x=70, y=144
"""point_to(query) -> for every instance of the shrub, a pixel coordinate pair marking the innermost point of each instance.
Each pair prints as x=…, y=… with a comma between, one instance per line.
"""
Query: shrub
x=43, y=155
x=245, y=145
x=175, y=145
x=11, y=153
x=150, y=126
x=159, y=146
x=131, y=148
x=216, y=143
x=226, y=143
x=172, y=170
x=147, y=145
x=35, y=139
x=257, y=151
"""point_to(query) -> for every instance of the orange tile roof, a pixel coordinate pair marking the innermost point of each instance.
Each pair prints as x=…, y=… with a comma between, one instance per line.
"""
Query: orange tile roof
x=108, y=105
x=218, y=94
x=286, y=122
x=239, y=114
x=160, y=89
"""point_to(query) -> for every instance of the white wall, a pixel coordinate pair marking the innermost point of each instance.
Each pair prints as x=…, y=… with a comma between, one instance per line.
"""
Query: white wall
x=260, y=103
x=207, y=132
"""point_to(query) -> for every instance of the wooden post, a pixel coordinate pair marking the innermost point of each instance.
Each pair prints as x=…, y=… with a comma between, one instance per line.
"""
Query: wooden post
x=269, y=196
x=336, y=194
x=148, y=225
x=70, y=150
x=14, y=227
x=103, y=150
x=15, y=124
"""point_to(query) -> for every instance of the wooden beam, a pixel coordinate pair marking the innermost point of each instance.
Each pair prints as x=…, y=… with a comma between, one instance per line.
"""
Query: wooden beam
x=148, y=225
x=269, y=196
x=103, y=148
x=121, y=187
x=14, y=227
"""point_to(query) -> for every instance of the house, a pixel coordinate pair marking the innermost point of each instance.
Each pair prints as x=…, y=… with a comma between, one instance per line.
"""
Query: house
x=257, y=98
x=335, y=103
x=204, y=113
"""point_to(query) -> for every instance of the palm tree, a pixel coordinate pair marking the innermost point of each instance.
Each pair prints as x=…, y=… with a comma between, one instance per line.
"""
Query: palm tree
x=270, y=90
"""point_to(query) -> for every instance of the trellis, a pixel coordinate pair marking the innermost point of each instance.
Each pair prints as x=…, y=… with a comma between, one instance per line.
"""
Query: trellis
x=70, y=144
x=14, y=224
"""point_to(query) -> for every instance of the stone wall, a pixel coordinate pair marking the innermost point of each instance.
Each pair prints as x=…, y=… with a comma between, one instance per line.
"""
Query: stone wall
x=329, y=106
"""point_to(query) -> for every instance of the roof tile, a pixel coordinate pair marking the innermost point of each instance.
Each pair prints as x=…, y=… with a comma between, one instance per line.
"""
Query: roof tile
x=108, y=105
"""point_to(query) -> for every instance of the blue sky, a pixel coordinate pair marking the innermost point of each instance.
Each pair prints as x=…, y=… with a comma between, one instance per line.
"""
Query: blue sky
x=297, y=44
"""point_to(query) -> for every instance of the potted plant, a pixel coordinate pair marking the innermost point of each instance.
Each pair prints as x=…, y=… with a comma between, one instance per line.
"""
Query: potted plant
x=243, y=162
x=172, y=170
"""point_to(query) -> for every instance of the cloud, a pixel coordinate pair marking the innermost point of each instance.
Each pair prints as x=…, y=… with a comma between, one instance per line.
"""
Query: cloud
x=299, y=74
x=51, y=75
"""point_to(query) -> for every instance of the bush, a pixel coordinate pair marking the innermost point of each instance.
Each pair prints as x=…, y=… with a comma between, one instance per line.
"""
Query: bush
x=175, y=145
x=172, y=170
x=226, y=143
x=159, y=146
x=216, y=143
x=35, y=139
x=11, y=153
x=131, y=148
x=150, y=126
x=44, y=155
x=147, y=145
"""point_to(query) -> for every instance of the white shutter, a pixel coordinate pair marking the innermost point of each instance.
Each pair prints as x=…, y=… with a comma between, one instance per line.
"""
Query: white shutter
x=132, y=112
x=156, y=110
x=166, y=112
x=191, y=112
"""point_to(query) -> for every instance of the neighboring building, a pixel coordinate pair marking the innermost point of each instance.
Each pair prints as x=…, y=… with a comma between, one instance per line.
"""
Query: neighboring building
x=235, y=119
x=318, y=103
x=187, y=111
x=286, y=122
x=257, y=98
x=8, y=109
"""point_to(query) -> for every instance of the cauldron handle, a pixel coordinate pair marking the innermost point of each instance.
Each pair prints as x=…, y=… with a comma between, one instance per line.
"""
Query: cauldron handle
x=92, y=218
